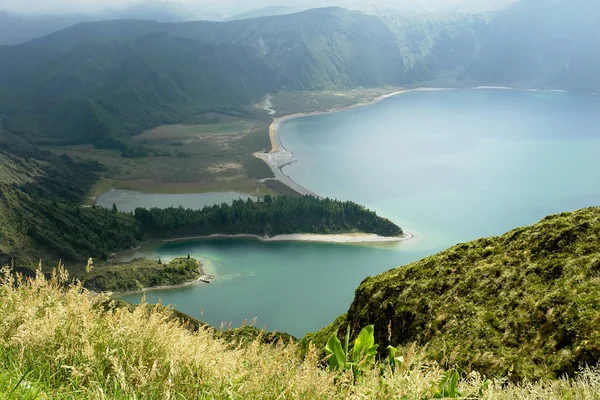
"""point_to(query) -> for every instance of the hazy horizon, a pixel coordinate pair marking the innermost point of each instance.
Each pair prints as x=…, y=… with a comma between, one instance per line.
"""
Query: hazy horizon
x=231, y=7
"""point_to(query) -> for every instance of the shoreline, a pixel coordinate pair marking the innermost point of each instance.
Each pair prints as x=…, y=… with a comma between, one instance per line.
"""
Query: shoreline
x=349, y=238
x=279, y=157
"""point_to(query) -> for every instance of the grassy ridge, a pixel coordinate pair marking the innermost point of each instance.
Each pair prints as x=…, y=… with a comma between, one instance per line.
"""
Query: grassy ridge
x=59, y=341
x=523, y=305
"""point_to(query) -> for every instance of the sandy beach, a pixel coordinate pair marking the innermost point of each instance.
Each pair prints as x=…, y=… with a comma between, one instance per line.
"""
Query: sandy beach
x=350, y=238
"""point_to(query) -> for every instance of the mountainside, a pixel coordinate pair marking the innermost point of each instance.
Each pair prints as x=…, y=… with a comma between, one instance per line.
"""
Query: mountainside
x=40, y=215
x=524, y=304
x=101, y=82
x=105, y=90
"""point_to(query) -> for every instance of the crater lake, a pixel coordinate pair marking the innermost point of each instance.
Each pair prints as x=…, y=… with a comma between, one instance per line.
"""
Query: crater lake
x=449, y=166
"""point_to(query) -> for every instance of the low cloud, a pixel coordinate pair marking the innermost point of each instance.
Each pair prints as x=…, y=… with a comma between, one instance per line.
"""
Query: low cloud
x=63, y=6
x=96, y=6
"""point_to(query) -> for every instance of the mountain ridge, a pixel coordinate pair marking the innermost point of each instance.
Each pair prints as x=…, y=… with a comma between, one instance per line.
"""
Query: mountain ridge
x=318, y=49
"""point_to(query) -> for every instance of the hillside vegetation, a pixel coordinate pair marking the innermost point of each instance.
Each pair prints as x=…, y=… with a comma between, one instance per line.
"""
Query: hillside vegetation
x=522, y=305
x=142, y=273
x=40, y=213
x=103, y=92
x=59, y=341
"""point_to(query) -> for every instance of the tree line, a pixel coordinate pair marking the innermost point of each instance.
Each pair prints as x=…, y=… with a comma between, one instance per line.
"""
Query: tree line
x=279, y=215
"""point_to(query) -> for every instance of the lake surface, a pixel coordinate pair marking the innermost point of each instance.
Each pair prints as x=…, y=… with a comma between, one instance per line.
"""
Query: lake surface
x=128, y=201
x=450, y=166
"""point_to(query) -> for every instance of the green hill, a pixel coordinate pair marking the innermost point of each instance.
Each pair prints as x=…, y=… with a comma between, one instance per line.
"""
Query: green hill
x=40, y=213
x=104, y=91
x=523, y=305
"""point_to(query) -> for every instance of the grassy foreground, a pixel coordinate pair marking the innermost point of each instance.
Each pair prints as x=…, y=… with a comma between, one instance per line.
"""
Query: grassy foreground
x=57, y=341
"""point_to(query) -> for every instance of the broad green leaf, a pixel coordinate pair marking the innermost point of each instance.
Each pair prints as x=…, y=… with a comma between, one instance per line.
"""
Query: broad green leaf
x=391, y=352
x=441, y=392
x=364, y=346
x=337, y=358
x=484, y=387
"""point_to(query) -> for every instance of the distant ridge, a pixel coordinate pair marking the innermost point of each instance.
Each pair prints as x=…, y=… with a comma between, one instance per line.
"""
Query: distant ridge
x=121, y=77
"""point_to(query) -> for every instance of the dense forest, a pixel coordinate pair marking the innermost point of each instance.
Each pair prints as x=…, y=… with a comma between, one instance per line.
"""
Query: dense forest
x=275, y=216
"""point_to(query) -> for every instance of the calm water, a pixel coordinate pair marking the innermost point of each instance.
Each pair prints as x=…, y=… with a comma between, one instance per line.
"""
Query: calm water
x=450, y=166
x=128, y=201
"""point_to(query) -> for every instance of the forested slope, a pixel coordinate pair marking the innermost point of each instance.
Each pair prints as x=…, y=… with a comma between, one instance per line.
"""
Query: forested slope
x=105, y=91
x=40, y=213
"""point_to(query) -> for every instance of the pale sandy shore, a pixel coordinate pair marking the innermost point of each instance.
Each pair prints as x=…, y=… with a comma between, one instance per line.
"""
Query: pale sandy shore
x=349, y=238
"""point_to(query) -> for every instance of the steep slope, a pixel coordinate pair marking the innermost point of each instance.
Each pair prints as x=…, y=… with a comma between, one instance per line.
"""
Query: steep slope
x=102, y=82
x=332, y=47
x=39, y=214
x=524, y=305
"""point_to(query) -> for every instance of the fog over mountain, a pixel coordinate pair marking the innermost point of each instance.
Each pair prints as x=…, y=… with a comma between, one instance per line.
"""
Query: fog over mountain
x=232, y=7
x=22, y=20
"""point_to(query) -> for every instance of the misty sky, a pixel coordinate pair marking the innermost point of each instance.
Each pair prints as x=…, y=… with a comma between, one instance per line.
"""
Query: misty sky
x=95, y=6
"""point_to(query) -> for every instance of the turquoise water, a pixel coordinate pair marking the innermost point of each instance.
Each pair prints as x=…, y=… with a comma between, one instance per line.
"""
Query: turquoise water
x=128, y=201
x=450, y=166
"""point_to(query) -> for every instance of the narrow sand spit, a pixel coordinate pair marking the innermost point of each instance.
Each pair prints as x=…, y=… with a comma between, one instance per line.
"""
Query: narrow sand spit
x=279, y=157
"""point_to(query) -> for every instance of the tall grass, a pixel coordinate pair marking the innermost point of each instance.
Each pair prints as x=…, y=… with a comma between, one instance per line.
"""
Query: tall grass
x=56, y=342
